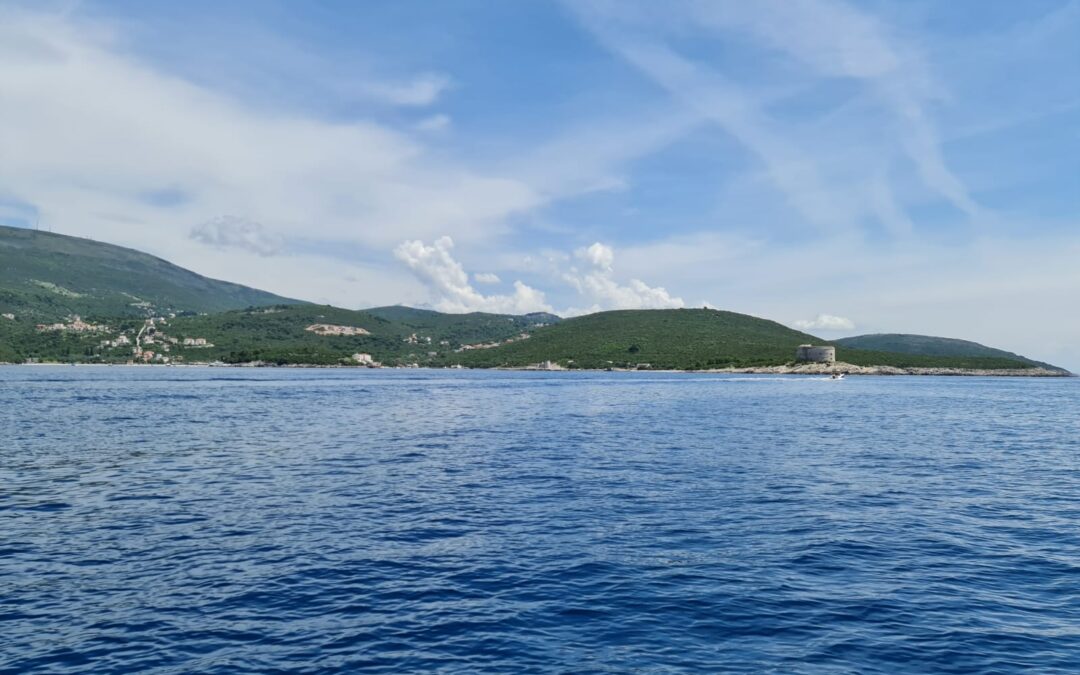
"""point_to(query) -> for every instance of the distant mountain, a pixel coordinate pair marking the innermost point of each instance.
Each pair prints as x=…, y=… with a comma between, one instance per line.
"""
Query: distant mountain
x=926, y=345
x=45, y=276
x=471, y=327
x=543, y=317
x=403, y=313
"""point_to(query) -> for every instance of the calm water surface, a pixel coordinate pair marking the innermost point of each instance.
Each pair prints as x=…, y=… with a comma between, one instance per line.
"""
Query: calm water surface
x=227, y=520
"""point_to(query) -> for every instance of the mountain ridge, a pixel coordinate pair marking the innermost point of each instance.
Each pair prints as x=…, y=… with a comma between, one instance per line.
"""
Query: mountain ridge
x=49, y=276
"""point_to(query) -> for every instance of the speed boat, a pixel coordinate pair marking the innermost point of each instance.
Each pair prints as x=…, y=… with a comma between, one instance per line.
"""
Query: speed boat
x=837, y=376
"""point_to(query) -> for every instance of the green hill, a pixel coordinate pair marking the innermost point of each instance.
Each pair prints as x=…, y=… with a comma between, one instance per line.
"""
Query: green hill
x=690, y=339
x=394, y=335
x=400, y=335
x=663, y=338
x=45, y=276
x=925, y=345
x=862, y=357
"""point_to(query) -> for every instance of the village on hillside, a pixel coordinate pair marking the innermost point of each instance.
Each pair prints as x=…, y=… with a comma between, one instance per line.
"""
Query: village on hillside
x=149, y=344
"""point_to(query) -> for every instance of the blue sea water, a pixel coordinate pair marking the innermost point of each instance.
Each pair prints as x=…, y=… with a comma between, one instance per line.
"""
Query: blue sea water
x=175, y=520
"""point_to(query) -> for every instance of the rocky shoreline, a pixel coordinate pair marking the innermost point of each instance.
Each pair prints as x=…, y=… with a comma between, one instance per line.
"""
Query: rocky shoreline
x=851, y=369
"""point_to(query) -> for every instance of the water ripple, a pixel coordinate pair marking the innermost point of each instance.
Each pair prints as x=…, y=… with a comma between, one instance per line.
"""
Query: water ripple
x=332, y=521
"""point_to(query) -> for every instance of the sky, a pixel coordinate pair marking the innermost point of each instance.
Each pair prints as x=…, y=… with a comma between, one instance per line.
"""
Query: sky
x=841, y=167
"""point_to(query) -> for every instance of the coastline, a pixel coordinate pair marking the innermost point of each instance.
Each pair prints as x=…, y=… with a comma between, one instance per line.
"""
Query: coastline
x=851, y=369
x=818, y=369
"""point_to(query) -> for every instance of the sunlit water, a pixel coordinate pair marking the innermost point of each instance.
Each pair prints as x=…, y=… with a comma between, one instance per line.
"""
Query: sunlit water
x=223, y=520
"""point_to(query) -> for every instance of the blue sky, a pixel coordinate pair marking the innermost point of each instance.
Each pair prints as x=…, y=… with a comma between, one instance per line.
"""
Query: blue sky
x=843, y=167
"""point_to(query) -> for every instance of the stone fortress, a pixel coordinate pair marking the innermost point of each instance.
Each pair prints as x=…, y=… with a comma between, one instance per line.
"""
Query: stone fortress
x=812, y=354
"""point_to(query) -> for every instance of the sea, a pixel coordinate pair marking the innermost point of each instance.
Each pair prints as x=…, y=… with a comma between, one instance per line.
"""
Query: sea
x=236, y=520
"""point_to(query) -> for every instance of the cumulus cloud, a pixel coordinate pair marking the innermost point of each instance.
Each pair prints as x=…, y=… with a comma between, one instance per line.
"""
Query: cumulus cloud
x=449, y=285
x=592, y=277
x=825, y=322
x=486, y=278
x=231, y=232
x=599, y=256
x=596, y=283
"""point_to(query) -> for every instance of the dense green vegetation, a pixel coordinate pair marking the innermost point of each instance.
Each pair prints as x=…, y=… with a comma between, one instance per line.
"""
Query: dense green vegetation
x=398, y=335
x=860, y=357
x=668, y=338
x=8, y=352
x=692, y=339
x=46, y=277
x=925, y=345
x=19, y=341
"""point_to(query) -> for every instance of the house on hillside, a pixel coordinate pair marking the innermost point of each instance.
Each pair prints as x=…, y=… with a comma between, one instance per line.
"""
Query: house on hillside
x=365, y=360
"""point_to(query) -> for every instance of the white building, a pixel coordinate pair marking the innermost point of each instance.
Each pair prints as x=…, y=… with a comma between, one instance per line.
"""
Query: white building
x=365, y=360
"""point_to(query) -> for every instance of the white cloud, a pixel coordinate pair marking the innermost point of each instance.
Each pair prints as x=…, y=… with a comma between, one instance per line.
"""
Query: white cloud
x=88, y=160
x=836, y=39
x=91, y=164
x=825, y=40
x=593, y=280
x=599, y=256
x=95, y=165
x=825, y=322
x=239, y=233
x=597, y=284
x=421, y=91
x=486, y=278
x=718, y=99
x=449, y=285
